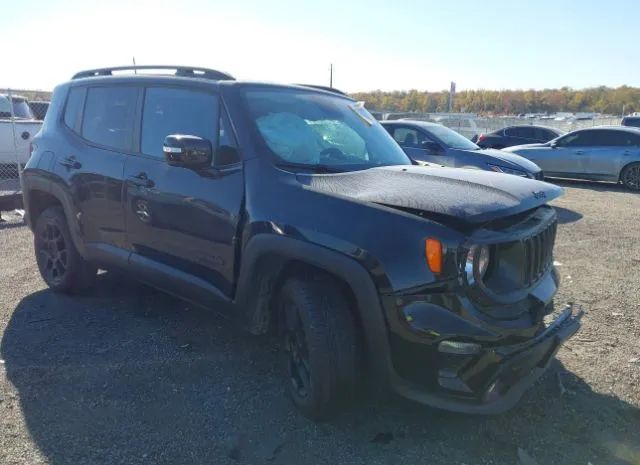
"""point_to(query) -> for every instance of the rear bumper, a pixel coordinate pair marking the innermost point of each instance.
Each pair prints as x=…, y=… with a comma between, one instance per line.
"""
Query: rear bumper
x=493, y=380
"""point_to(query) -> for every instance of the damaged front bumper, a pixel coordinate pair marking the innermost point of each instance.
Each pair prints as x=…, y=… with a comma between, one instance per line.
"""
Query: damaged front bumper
x=493, y=379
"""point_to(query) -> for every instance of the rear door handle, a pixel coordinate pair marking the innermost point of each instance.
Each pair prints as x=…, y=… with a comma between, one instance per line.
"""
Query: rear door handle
x=579, y=152
x=627, y=153
x=141, y=180
x=71, y=163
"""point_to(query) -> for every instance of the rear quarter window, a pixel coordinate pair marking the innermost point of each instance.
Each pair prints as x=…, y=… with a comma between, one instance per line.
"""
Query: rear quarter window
x=73, y=108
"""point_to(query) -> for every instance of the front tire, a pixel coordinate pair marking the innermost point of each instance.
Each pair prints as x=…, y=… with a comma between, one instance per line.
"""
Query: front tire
x=630, y=176
x=321, y=348
x=60, y=264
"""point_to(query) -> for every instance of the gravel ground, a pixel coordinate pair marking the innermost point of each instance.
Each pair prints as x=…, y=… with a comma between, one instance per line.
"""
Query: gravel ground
x=127, y=375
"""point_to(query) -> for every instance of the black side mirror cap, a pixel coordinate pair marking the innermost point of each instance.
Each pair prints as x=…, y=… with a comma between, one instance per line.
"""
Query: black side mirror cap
x=187, y=151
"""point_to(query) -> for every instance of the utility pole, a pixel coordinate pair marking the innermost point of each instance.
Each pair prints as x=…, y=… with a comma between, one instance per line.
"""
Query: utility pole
x=452, y=93
x=331, y=75
x=135, y=71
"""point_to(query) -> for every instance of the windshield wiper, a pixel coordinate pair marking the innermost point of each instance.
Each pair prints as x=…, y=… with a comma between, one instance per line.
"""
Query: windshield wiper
x=315, y=168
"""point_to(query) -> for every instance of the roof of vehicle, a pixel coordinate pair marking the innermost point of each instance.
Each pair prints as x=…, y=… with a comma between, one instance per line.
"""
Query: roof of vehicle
x=610, y=127
x=182, y=71
x=202, y=76
x=538, y=126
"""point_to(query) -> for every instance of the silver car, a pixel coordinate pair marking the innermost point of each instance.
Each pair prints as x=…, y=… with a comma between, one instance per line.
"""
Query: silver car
x=606, y=153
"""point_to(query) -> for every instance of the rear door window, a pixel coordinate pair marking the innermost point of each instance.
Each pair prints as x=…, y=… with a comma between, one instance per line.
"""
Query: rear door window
x=543, y=134
x=611, y=138
x=169, y=111
x=109, y=117
x=523, y=133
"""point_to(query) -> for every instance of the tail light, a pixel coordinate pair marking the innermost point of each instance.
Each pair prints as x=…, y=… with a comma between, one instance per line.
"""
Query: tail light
x=481, y=137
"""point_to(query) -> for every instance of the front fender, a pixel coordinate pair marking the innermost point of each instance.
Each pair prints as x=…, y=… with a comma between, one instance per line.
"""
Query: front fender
x=248, y=294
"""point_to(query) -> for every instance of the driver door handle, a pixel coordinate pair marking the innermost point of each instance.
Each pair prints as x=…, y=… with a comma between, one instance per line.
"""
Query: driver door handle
x=579, y=152
x=141, y=180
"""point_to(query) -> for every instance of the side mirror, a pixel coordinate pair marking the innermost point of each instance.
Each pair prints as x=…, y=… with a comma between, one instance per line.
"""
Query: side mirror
x=187, y=151
x=431, y=146
x=553, y=144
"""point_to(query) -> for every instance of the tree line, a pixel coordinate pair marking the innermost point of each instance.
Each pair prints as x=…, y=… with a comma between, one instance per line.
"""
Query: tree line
x=602, y=99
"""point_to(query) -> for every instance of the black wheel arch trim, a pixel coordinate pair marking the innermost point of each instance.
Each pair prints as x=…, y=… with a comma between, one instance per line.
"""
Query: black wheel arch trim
x=47, y=186
x=347, y=269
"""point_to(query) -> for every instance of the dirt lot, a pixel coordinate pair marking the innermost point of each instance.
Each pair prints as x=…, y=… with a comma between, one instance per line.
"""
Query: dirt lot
x=127, y=375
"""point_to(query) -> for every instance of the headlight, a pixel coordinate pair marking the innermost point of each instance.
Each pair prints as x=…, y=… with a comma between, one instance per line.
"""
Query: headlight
x=504, y=169
x=477, y=262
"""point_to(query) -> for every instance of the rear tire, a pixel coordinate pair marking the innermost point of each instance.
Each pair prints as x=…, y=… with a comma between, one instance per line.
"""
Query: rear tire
x=60, y=264
x=630, y=176
x=321, y=348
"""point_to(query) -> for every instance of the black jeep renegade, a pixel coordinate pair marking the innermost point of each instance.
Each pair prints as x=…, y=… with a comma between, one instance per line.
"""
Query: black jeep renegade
x=290, y=209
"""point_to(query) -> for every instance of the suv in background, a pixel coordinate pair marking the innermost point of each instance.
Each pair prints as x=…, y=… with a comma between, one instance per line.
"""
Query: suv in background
x=293, y=211
x=516, y=135
x=632, y=121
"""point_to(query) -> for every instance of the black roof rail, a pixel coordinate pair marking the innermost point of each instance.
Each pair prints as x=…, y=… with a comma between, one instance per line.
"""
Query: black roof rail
x=186, y=71
x=327, y=88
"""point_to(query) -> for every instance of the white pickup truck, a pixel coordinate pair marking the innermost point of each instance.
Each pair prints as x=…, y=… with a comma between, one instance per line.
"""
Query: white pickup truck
x=14, y=142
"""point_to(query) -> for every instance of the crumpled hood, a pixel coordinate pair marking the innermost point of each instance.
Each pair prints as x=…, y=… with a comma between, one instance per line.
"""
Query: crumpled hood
x=473, y=196
x=501, y=158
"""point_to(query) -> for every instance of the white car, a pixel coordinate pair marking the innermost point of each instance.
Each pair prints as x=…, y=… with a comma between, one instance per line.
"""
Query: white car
x=15, y=141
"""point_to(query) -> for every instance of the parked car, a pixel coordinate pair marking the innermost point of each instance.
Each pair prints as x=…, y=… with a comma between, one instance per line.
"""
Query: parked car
x=39, y=109
x=632, y=121
x=14, y=142
x=516, y=135
x=438, y=144
x=606, y=153
x=293, y=211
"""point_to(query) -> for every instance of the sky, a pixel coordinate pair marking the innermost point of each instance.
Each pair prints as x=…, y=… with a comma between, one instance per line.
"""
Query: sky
x=387, y=45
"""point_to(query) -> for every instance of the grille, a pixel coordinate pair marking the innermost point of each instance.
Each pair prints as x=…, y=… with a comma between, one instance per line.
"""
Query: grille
x=538, y=252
